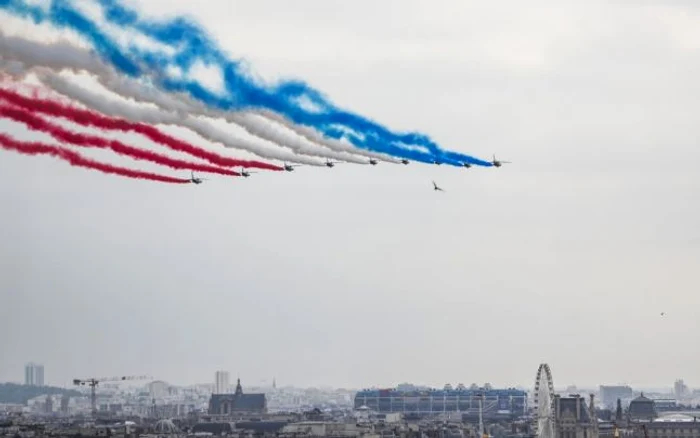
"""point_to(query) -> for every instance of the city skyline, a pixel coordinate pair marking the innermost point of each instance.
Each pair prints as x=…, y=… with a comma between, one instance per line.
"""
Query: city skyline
x=221, y=384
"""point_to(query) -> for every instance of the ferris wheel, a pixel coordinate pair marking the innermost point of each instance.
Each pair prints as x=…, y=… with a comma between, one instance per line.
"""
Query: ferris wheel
x=544, y=398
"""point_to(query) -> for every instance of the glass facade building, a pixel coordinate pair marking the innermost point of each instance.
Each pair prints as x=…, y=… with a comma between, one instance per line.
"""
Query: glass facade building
x=496, y=402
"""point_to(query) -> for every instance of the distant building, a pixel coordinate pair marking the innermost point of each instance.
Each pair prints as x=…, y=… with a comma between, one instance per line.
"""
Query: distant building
x=34, y=374
x=642, y=409
x=573, y=418
x=610, y=394
x=65, y=403
x=221, y=382
x=680, y=389
x=238, y=402
x=666, y=404
x=496, y=402
x=158, y=389
x=673, y=426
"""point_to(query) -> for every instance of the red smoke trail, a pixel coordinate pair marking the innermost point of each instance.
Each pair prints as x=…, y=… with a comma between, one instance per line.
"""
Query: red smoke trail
x=59, y=133
x=75, y=159
x=91, y=118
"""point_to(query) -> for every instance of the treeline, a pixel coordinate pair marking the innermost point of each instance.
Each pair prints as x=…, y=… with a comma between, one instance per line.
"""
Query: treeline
x=20, y=394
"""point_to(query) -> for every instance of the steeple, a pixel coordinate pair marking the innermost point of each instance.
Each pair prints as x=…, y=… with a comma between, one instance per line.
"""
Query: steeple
x=274, y=383
x=593, y=414
x=239, y=388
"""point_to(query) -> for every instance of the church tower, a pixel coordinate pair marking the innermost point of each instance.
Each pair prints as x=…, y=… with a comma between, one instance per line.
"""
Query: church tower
x=239, y=388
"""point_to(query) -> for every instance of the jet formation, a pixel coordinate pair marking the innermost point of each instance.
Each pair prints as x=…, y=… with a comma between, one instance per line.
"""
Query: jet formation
x=330, y=164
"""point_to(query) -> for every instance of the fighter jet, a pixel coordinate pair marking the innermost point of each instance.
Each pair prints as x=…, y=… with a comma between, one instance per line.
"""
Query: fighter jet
x=290, y=167
x=467, y=165
x=498, y=163
x=196, y=180
x=436, y=188
x=330, y=163
x=404, y=161
x=373, y=162
x=245, y=173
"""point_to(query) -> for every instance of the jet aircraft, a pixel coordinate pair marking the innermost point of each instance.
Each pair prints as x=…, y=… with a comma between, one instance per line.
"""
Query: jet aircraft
x=290, y=167
x=196, y=180
x=498, y=163
x=245, y=173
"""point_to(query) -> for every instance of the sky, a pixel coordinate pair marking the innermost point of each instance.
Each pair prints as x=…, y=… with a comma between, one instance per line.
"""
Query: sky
x=362, y=276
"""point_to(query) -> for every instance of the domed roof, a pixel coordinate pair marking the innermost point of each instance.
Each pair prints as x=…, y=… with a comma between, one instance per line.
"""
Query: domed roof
x=642, y=399
x=165, y=427
x=642, y=408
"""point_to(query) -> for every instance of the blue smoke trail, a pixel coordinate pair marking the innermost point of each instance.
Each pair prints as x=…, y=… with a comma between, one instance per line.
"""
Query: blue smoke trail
x=63, y=16
x=194, y=45
x=18, y=7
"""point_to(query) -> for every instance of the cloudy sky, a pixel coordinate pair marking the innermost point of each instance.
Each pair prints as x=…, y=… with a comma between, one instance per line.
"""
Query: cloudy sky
x=362, y=275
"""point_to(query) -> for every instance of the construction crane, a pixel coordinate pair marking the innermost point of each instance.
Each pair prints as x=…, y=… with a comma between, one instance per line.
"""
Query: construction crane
x=93, y=382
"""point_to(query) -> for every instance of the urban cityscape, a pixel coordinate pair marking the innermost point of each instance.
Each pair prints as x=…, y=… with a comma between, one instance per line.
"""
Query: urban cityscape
x=349, y=219
x=141, y=406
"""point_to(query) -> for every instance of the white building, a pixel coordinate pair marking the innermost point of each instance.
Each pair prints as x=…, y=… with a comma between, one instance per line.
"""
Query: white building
x=158, y=389
x=221, y=382
x=34, y=374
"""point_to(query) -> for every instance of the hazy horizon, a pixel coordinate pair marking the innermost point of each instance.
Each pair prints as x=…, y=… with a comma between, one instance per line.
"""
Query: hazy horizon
x=263, y=385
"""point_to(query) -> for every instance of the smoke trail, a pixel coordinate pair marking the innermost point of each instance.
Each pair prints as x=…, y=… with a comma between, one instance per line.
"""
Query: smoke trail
x=37, y=55
x=89, y=118
x=59, y=56
x=184, y=104
x=258, y=127
x=194, y=45
x=314, y=137
x=158, y=116
x=63, y=135
x=76, y=159
x=242, y=92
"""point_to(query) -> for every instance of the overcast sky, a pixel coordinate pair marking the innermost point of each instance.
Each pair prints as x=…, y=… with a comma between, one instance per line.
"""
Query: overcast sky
x=362, y=275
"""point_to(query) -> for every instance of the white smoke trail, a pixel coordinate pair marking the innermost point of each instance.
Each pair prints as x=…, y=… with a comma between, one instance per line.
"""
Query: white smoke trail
x=248, y=121
x=257, y=125
x=11, y=67
x=62, y=55
x=155, y=115
x=313, y=136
